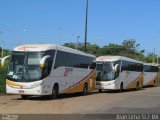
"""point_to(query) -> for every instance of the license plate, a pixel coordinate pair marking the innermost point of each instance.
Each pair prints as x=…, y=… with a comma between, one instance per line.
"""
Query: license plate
x=20, y=91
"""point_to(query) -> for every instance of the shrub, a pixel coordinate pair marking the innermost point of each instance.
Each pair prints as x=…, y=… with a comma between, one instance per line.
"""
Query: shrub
x=3, y=72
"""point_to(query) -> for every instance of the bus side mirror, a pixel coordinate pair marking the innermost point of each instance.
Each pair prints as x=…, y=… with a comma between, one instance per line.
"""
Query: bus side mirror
x=92, y=66
x=116, y=67
x=3, y=60
x=43, y=60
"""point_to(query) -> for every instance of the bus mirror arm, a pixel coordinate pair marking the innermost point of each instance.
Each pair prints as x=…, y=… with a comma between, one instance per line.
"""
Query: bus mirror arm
x=43, y=60
x=3, y=60
x=116, y=67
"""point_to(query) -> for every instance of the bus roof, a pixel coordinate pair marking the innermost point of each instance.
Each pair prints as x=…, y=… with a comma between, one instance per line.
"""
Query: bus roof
x=45, y=47
x=108, y=58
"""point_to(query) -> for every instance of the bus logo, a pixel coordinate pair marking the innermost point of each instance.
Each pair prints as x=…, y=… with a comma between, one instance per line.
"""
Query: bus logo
x=67, y=70
x=22, y=48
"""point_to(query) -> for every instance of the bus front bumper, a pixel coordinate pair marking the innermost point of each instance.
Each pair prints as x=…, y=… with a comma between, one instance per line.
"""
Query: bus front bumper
x=34, y=91
x=105, y=86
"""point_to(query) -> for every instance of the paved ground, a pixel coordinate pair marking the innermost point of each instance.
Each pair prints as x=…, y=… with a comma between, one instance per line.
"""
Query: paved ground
x=143, y=101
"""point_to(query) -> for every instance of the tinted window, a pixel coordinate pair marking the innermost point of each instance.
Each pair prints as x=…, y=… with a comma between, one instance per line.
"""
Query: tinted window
x=132, y=66
x=72, y=60
x=148, y=68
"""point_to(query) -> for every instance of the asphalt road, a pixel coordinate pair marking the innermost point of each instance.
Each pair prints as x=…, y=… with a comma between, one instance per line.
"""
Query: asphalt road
x=144, y=101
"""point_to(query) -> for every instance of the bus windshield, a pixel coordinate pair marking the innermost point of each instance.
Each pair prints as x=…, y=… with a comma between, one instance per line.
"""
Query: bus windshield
x=105, y=71
x=25, y=67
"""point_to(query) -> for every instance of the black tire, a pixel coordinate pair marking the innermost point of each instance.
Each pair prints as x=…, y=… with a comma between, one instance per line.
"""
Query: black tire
x=85, y=89
x=100, y=90
x=24, y=96
x=55, y=92
x=137, y=86
x=121, y=88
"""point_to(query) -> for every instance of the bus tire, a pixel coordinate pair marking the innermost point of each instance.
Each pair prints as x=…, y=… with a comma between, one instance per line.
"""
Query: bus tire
x=137, y=86
x=85, y=89
x=24, y=96
x=55, y=92
x=121, y=87
x=100, y=90
x=154, y=83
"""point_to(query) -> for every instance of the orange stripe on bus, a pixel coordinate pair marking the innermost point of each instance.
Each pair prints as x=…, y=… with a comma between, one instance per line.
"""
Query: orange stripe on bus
x=78, y=87
x=154, y=81
x=139, y=79
x=13, y=83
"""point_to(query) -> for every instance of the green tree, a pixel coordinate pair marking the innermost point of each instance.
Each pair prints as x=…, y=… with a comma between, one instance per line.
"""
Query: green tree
x=151, y=57
x=70, y=45
x=94, y=49
x=3, y=72
x=112, y=49
x=129, y=44
x=128, y=48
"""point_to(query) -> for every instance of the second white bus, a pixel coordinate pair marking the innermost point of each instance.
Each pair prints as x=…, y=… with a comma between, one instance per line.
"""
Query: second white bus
x=118, y=73
x=150, y=74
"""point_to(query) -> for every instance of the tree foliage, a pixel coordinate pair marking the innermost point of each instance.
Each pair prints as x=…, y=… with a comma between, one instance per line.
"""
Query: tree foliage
x=128, y=48
x=3, y=72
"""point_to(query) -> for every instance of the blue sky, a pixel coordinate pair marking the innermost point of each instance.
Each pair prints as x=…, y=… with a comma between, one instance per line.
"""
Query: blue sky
x=109, y=21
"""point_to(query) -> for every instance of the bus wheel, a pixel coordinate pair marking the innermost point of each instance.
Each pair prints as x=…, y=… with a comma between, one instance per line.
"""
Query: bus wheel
x=154, y=84
x=85, y=89
x=54, y=94
x=24, y=96
x=137, y=86
x=100, y=90
x=121, y=88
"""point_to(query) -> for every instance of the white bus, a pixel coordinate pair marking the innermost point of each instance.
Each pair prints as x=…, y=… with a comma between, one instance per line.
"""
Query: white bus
x=48, y=69
x=118, y=73
x=150, y=74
